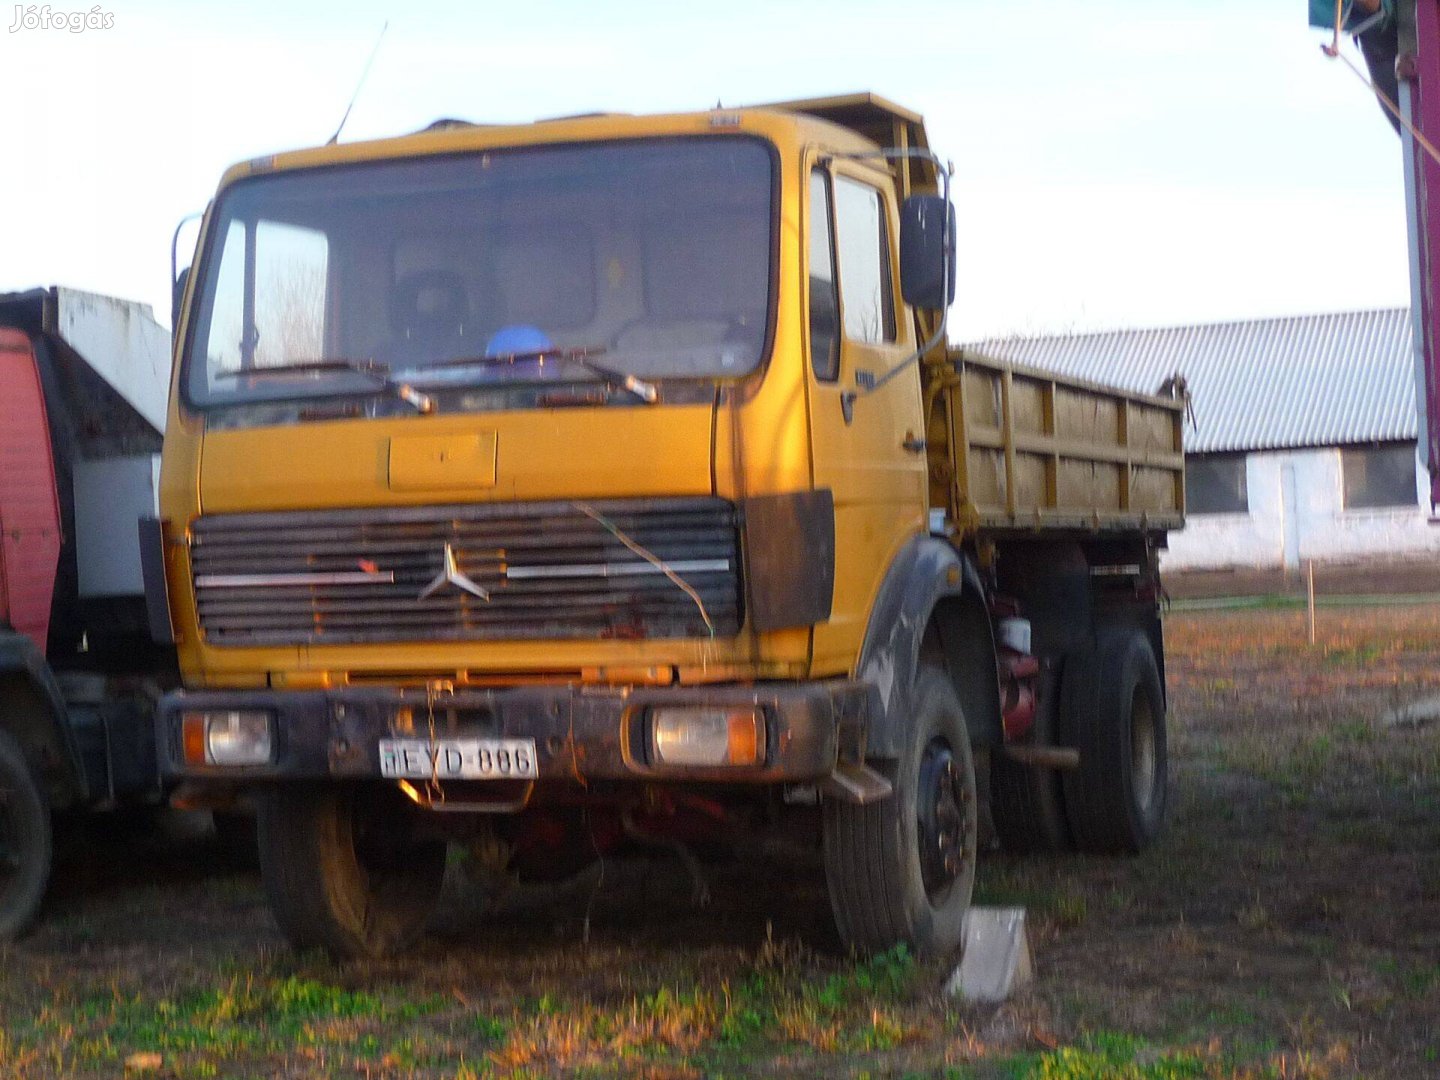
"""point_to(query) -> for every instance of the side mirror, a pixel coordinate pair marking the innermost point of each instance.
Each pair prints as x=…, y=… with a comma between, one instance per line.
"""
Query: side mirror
x=178, y=276
x=177, y=296
x=927, y=252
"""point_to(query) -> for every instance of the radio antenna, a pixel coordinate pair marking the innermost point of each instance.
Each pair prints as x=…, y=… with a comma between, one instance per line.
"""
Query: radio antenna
x=360, y=85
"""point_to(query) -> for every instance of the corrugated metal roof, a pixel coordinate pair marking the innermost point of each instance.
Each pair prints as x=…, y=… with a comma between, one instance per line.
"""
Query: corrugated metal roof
x=1309, y=380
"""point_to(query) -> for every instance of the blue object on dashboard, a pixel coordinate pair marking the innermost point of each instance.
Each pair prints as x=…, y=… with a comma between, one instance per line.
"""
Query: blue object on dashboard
x=519, y=339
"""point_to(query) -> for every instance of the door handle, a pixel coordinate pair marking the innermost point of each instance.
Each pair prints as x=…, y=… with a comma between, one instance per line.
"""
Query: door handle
x=912, y=444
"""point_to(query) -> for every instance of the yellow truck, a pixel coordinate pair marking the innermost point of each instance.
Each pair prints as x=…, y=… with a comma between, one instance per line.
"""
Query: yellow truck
x=609, y=481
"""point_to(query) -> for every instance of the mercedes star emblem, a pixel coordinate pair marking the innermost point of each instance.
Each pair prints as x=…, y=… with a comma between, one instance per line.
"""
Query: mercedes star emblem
x=450, y=575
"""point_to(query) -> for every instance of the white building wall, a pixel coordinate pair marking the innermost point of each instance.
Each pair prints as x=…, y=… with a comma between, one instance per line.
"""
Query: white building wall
x=1310, y=512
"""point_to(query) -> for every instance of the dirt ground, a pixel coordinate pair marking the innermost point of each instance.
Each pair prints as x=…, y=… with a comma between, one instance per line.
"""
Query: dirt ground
x=1288, y=925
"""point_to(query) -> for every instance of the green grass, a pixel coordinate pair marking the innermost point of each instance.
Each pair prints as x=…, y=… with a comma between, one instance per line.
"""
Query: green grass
x=250, y=1023
x=787, y=1004
x=241, y=1017
x=1111, y=1056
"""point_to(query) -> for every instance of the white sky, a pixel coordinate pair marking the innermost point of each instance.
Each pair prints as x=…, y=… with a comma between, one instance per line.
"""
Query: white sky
x=1119, y=162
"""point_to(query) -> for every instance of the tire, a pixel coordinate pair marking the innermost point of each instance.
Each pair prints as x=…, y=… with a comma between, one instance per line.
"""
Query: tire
x=343, y=870
x=26, y=841
x=884, y=889
x=1026, y=801
x=1113, y=712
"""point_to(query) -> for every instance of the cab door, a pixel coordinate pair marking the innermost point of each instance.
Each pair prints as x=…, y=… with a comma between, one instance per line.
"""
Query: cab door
x=866, y=431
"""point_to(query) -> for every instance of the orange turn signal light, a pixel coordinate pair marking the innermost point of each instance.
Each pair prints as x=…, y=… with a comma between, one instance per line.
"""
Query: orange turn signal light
x=192, y=738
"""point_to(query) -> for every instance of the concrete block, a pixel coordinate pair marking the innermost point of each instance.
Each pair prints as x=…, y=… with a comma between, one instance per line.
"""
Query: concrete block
x=996, y=960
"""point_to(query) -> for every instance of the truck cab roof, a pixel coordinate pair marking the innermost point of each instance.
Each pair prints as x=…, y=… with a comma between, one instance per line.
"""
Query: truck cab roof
x=846, y=123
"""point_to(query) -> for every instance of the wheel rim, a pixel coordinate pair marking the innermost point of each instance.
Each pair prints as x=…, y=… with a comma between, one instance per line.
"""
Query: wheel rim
x=1143, y=755
x=942, y=804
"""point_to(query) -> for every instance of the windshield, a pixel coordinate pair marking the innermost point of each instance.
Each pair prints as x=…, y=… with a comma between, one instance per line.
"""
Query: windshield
x=657, y=253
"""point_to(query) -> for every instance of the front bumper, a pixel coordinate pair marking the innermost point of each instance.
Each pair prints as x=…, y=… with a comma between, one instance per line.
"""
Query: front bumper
x=580, y=733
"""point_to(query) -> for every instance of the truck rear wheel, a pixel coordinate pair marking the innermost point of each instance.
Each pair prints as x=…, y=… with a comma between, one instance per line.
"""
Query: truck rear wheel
x=25, y=840
x=902, y=870
x=344, y=870
x=1113, y=711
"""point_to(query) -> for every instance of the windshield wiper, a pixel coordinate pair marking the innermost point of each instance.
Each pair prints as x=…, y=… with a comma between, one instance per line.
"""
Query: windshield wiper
x=372, y=369
x=584, y=356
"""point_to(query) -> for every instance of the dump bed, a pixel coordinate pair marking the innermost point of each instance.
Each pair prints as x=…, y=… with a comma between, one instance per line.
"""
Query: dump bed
x=1017, y=448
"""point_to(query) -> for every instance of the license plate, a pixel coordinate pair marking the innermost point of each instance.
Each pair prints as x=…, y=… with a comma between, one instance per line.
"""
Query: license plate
x=458, y=759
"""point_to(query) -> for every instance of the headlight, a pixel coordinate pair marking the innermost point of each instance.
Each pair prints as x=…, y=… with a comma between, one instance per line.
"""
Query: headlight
x=700, y=736
x=231, y=737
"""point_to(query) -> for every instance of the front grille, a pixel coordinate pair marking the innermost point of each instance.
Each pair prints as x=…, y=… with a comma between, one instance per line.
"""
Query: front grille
x=609, y=569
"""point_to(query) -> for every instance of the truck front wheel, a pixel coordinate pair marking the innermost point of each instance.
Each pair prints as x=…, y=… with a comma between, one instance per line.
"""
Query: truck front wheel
x=25, y=840
x=902, y=870
x=1113, y=711
x=344, y=869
